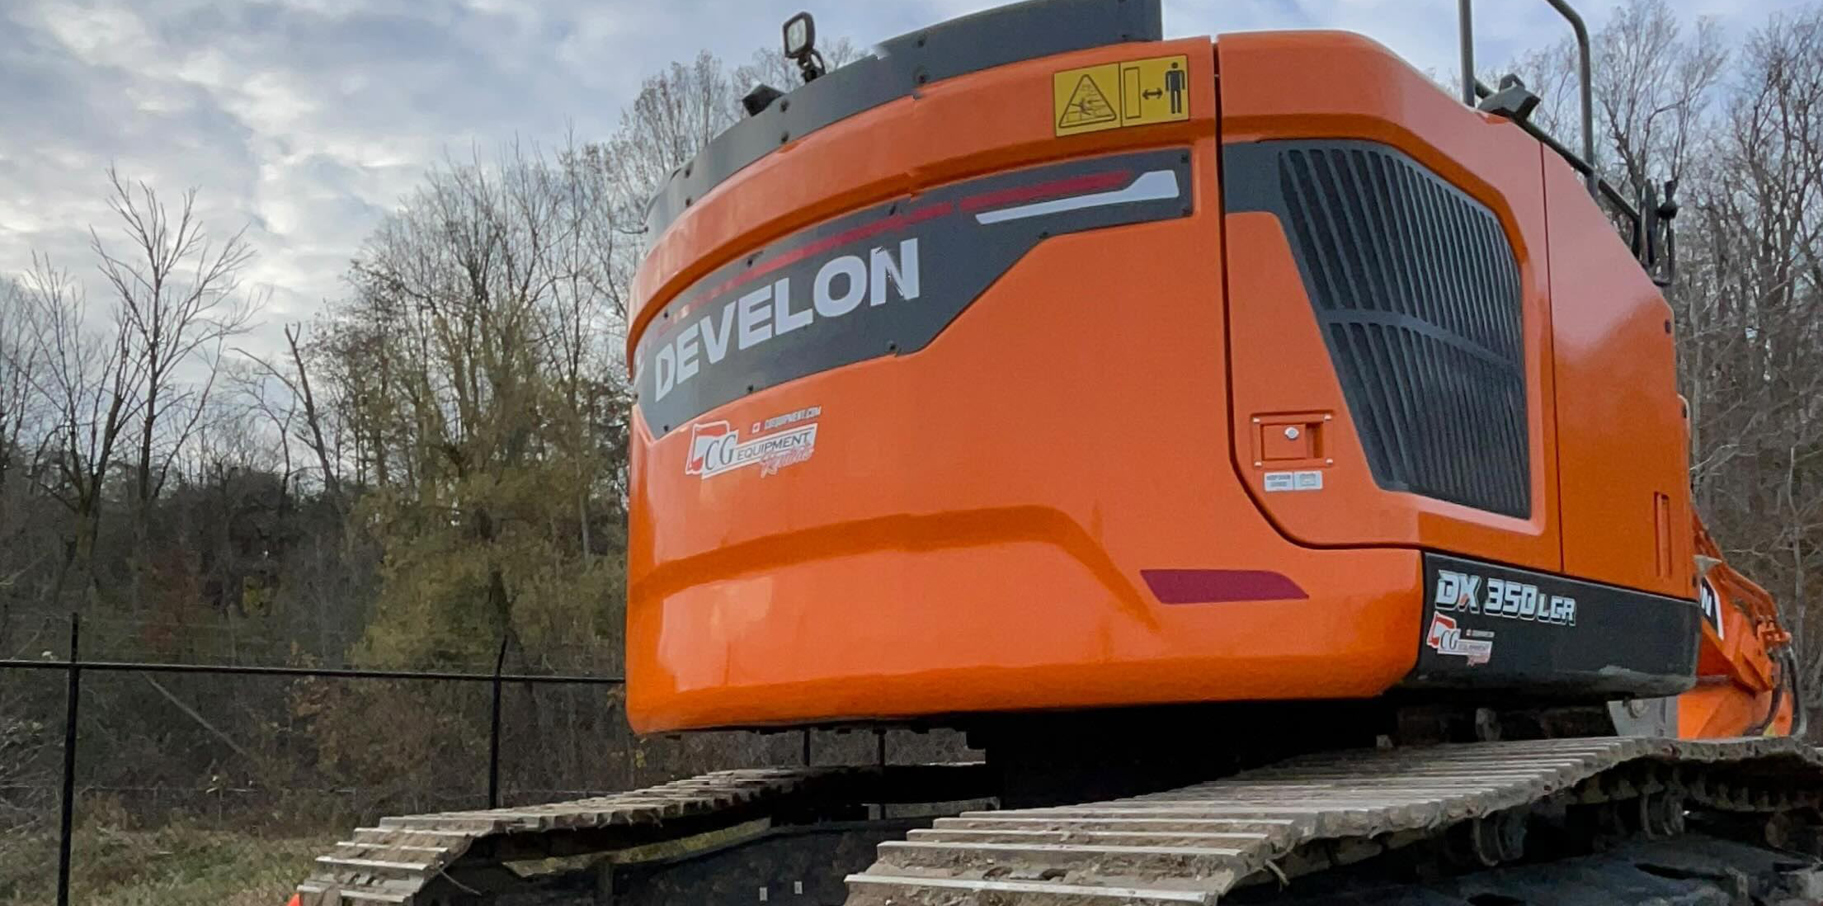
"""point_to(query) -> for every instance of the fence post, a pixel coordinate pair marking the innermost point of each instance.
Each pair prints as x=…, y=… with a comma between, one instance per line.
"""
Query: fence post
x=69, y=763
x=493, y=743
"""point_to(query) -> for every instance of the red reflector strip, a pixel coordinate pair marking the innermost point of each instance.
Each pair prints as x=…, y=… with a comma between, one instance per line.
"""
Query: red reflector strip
x=1214, y=586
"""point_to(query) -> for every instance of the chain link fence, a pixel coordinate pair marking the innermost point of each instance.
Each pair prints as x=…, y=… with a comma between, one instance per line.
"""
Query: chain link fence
x=96, y=754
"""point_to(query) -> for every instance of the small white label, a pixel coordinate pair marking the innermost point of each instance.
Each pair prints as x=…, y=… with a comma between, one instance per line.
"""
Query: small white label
x=1307, y=480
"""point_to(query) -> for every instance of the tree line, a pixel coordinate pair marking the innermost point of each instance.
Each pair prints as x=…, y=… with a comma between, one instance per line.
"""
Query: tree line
x=431, y=469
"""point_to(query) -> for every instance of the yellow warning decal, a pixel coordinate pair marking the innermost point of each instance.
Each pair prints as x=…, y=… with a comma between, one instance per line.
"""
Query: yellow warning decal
x=1112, y=95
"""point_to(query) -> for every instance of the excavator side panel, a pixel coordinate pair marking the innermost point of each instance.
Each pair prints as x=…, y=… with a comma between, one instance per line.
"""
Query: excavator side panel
x=1392, y=332
x=1388, y=301
x=1623, y=461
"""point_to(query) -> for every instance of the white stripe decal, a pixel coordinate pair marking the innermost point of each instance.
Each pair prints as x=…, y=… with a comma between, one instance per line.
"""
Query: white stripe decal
x=1153, y=186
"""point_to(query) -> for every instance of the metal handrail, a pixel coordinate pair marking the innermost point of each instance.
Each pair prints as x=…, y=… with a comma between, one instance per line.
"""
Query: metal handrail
x=1466, y=35
x=1645, y=221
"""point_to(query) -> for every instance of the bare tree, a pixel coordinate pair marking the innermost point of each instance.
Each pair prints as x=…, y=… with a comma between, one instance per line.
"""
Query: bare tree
x=19, y=407
x=89, y=382
x=18, y=367
x=674, y=115
x=313, y=420
x=1655, y=82
x=240, y=437
x=300, y=399
x=179, y=295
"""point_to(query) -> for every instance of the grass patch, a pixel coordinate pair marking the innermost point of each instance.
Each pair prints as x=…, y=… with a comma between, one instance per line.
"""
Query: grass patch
x=170, y=865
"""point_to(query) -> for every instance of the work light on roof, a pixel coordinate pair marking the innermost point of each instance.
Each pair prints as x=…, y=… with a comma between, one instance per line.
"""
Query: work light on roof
x=800, y=45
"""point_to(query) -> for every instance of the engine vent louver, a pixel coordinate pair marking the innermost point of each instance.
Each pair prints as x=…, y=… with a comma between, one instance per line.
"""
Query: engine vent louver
x=1417, y=291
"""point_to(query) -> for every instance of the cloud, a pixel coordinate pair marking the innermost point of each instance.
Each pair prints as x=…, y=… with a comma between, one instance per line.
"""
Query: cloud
x=306, y=120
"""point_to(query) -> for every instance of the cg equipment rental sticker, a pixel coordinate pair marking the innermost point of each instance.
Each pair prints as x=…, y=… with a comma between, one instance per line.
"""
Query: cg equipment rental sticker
x=716, y=447
x=1112, y=95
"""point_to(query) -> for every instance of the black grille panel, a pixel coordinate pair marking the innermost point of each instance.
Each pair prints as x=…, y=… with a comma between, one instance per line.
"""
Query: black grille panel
x=1417, y=290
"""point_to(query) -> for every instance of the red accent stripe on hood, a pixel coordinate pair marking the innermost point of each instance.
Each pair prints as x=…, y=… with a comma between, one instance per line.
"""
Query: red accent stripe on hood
x=1075, y=185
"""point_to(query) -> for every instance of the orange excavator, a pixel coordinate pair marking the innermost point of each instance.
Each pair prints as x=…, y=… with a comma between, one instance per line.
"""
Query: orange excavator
x=1273, y=463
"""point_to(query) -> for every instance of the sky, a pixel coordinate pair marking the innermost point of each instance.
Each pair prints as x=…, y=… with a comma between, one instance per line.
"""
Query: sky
x=307, y=120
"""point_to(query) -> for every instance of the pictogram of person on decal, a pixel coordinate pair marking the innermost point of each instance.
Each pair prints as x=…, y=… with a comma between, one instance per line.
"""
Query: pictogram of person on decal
x=1174, y=86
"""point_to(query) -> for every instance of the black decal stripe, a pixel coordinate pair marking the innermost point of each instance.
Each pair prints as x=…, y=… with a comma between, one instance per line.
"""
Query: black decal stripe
x=959, y=257
x=1622, y=642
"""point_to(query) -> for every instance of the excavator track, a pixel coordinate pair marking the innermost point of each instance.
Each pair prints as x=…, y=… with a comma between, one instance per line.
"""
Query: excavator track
x=1194, y=844
x=460, y=857
x=396, y=861
x=1198, y=843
